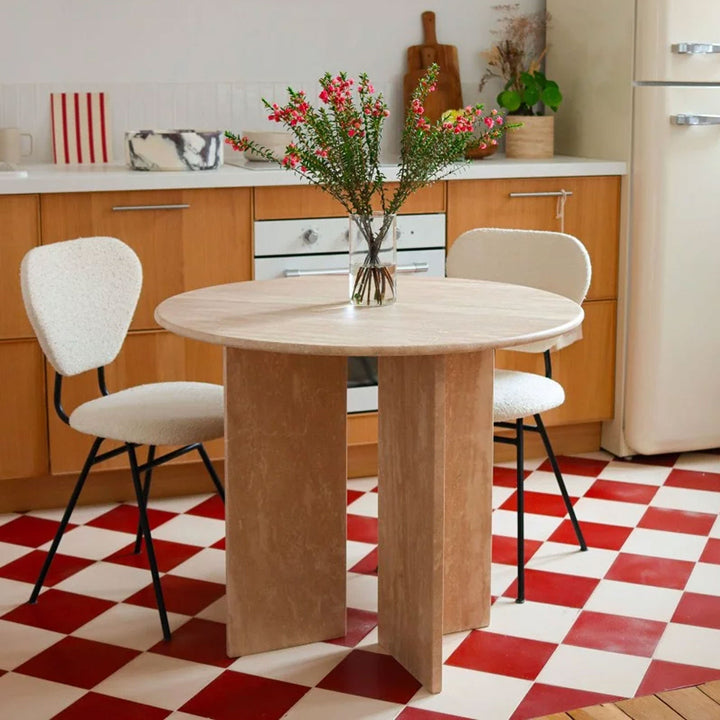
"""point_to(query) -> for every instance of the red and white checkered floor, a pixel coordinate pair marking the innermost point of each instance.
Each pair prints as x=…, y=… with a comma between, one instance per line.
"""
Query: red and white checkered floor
x=638, y=613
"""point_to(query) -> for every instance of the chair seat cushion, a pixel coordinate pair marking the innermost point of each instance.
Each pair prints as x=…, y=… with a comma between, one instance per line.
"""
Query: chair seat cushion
x=168, y=413
x=521, y=394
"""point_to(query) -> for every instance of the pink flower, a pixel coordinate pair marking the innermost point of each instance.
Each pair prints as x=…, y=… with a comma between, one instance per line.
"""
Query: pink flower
x=417, y=107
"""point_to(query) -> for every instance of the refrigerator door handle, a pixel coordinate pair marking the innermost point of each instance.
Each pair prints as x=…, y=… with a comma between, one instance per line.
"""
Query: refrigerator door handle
x=695, y=48
x=695, y=119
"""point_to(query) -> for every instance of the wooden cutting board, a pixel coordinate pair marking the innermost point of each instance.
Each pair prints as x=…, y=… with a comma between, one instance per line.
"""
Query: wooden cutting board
x=448, y=94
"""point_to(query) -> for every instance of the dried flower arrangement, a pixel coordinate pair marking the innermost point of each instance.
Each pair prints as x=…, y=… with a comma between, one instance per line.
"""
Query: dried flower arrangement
x=517, y=58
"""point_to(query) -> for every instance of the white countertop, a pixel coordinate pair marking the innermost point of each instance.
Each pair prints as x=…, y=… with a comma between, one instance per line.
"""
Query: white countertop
x=88, y=178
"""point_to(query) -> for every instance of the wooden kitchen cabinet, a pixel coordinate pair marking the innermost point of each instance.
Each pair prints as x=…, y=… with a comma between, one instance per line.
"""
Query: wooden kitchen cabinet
x=584, y=369
x=23, y=418
x=289, y=202
x=185, y=239
x=19, y=221
x=145, y=357
x=592, y=215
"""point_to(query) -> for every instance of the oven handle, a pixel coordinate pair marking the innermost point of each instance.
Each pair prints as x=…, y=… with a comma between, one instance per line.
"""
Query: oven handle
x=412, y=268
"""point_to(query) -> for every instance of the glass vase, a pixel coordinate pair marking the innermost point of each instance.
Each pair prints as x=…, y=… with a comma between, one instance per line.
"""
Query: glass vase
x=373, y=259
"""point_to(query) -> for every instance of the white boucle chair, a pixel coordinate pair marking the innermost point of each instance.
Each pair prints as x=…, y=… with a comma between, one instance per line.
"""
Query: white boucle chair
x=551, y=261
x=80, y=296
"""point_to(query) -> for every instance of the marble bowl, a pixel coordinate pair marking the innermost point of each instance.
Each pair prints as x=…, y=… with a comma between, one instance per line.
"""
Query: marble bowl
x=275, y=141
x=174, y=149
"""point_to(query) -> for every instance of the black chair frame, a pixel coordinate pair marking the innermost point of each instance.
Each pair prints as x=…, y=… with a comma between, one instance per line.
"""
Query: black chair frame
x=518, y=441
x=142, y=492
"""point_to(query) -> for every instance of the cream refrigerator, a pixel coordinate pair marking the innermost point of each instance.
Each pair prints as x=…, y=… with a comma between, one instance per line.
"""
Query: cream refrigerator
x=641, y=80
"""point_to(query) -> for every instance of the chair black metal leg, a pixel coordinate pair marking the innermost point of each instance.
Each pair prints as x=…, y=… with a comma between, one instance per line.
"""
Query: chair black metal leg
x=211, y=470
x=146, y=495
x=145, y=526
x=520, y=474
x=65, y=518
x=561, y=482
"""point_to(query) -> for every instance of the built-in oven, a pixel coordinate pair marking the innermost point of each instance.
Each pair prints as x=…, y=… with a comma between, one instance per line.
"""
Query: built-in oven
x=291, y=248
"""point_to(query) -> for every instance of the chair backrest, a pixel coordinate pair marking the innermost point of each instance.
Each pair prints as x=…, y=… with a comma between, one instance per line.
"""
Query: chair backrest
x=551, y=261
x=80, y=296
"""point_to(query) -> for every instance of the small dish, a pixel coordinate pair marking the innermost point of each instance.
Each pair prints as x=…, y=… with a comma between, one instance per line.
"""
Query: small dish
x=277, y=142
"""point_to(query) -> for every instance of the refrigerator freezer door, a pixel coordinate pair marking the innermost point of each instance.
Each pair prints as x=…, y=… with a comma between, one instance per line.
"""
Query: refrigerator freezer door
x=672, y=392
x=677, y=41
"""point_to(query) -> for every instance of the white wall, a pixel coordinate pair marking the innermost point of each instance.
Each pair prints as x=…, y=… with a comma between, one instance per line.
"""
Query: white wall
x=171, y=63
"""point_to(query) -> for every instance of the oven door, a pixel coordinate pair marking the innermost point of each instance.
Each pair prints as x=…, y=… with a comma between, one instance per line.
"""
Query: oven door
x=294, y=248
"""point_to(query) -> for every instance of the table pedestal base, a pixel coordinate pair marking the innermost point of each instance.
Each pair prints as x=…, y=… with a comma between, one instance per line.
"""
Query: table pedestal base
x=435, y=478
x=285, y=499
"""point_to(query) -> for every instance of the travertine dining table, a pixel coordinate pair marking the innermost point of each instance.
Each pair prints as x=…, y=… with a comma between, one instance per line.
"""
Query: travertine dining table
x=285, y=346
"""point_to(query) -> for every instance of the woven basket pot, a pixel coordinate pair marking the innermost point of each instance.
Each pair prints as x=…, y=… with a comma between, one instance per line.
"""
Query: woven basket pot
x=535, y=139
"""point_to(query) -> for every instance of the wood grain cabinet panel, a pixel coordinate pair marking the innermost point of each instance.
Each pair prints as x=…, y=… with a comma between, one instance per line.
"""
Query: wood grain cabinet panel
x=585, y=369
x=185, y=239
x=288, y=202
x=23, y=419
x=19, y=223
x=592, y=215
x=145, y=357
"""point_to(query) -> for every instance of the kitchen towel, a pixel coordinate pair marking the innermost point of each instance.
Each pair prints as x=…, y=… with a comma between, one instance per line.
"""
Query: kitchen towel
x=80, y=128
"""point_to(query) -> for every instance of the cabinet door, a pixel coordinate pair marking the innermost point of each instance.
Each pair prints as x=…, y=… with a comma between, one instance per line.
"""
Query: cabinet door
x=19, y=223
x=185, y=239
x=591, y=215
x=585, y=369
x=145, y=357
x=23, y=420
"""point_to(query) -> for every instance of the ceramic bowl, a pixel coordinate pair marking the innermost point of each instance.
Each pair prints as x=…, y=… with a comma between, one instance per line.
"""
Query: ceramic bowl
x=275, y=141
x=478, y=153
x=174, y=149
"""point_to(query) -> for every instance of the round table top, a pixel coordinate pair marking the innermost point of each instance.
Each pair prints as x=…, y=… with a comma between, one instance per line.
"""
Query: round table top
x=312, y=315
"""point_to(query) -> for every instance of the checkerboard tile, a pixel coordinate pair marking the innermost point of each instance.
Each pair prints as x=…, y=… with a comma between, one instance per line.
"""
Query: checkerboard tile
x=636, y=614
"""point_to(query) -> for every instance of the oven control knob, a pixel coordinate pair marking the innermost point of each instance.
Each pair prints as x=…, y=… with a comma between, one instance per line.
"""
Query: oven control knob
x=310, y=236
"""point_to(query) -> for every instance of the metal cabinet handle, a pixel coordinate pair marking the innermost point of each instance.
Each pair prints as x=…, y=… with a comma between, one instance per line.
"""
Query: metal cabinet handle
x=179, y=206
x=549, y=193
x=695, y=48
x=695, y=119
x=300, y=273
x=413, y=268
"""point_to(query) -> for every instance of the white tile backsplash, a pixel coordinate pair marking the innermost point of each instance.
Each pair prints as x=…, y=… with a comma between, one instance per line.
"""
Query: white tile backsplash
x=203, y=106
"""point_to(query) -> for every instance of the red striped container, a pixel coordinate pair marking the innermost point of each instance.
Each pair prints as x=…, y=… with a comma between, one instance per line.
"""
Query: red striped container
x=80, y=128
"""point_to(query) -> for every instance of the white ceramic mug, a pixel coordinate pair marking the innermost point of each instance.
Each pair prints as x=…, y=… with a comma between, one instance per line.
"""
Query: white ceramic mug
x=11, y=146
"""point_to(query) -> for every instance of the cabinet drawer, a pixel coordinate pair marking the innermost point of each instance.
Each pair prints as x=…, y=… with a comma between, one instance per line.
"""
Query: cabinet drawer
x=288, y=202
x=20, y=233
x=586, y=369
x=23, y=419
x=185, y=239
x=592, y=215
x=145, y=357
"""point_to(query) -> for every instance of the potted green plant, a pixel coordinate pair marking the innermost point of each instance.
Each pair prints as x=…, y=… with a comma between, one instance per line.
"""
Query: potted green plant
x=527, y=93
